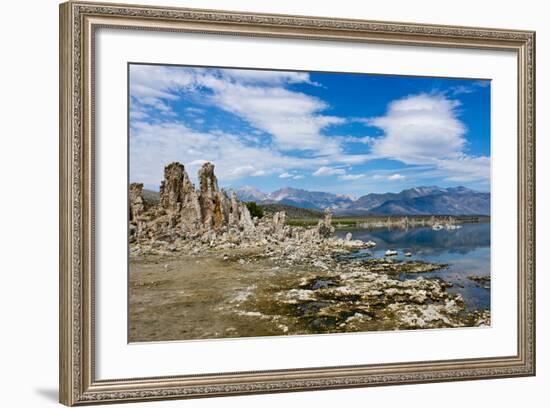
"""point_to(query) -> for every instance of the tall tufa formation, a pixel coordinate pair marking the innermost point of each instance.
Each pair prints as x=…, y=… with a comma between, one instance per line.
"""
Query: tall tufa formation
x=171, y=194
x=234, y=216
x=137, y=204
x=179, y=199
x=190, y=206
x=239, y=215
x=213, y=203
x=136, y=211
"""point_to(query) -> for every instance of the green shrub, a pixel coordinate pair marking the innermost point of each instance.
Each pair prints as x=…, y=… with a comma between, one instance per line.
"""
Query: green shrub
x=254, y=209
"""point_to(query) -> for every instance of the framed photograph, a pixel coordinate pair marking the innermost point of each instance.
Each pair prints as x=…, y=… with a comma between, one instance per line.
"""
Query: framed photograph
x=256, y=203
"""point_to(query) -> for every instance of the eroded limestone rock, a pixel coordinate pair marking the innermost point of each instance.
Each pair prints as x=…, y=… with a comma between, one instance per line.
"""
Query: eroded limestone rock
x=211, y=199
x=137, y=205
x=184, y=211
x=245, y=219
x=325, y=228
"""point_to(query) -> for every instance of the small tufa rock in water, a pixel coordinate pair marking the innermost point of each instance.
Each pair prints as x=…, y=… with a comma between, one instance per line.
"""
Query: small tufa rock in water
x=348, y=237
x=483, y=280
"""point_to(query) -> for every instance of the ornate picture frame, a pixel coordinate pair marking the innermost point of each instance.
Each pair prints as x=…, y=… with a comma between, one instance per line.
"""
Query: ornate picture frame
x=78, y=24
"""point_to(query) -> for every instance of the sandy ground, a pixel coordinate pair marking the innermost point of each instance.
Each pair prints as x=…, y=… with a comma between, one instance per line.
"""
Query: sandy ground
x=193, y=297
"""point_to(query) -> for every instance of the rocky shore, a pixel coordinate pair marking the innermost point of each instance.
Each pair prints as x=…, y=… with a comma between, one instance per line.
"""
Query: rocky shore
x=298, y=280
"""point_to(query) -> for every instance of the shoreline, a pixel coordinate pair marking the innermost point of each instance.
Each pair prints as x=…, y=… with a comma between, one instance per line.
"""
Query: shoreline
x=392, y=221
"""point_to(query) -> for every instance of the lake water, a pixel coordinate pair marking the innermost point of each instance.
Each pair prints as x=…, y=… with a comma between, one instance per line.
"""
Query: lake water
x=467, y=250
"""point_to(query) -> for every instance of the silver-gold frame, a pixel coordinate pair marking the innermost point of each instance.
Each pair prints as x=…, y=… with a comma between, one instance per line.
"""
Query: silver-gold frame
x=78, y=23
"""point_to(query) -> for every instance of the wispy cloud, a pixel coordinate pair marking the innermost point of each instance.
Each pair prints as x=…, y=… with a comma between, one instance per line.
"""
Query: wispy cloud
x=293, y=176
x=154, y=145
x=294, y=119
x=468, y=89
x=152, y=85
x=194, y=111
x=351, y=176
x=466, y=168
x=328, y=171
x=366, y=140
x=396, y=176
x=272, y=78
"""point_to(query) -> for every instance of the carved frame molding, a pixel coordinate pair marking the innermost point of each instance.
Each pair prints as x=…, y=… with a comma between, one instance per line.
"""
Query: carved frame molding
x=78, y=22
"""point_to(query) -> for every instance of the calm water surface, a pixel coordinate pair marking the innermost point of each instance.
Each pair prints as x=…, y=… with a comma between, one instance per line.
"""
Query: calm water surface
x=467, y=250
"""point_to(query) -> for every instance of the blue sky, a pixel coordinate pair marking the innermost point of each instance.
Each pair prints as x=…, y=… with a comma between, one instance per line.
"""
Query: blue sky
x=335, y=132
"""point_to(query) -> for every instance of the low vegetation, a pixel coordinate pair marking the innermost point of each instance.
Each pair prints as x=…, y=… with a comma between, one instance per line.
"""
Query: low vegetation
x=254, y=209
x=294, y=212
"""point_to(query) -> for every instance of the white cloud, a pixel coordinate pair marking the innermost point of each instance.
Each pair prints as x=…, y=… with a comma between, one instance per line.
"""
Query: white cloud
x=466, y=168
x=425, y=129
x=138, y=113
x=154, y=145
x=351, y=176
x=468, y=89
x=366, y=140
x=461, y=89
x=266, y=77
x=293, y=119
x=198, y=162
x=241, y=171
x=395, y=177
x=152, y=85
x=420, y=127
x=157, y=81
x=194, y=111
x=328, y=171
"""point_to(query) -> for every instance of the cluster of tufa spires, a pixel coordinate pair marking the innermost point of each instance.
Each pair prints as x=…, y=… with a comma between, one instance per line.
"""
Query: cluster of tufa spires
x=207, y=213
x=186, y=210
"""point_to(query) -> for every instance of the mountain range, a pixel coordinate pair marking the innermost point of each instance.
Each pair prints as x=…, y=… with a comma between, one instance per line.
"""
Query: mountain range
x=430, y=200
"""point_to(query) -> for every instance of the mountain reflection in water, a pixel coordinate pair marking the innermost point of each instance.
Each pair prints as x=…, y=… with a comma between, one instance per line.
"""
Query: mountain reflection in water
x=467, y=250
